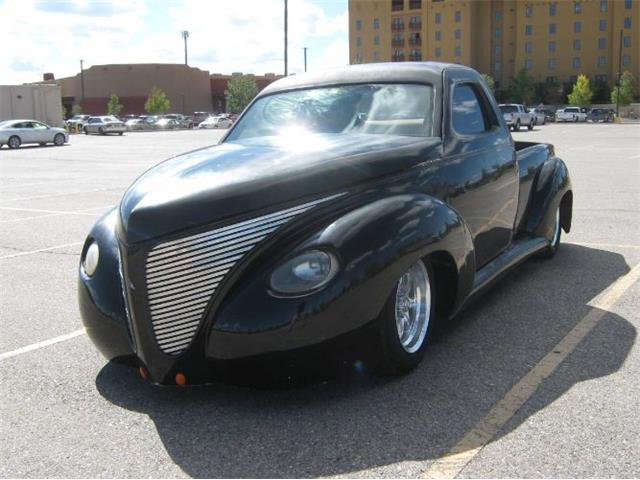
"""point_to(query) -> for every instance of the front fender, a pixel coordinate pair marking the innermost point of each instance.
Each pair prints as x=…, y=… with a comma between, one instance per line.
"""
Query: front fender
x=375, y=243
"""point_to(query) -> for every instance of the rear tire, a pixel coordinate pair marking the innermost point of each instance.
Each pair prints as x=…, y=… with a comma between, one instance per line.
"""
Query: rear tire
x=14, y=142
x=406, y=321
x=120, y=133
x=58, y=140
x=101, y=131
x=86, y=132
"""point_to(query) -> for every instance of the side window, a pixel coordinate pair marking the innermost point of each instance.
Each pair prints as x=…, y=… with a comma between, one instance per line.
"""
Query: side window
x=468, y=112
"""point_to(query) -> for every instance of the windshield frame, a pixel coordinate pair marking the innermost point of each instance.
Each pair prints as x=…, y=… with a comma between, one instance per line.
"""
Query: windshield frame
x=436, y=110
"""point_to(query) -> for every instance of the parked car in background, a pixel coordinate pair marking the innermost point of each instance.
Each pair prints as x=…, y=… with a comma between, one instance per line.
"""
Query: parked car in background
x=199, y=117
x=104, y=125
x=19, y=132
x=516, y=116
x=300, y=227
x=167, y=124
x=599, y=115
x=137, y=124
x=539, y=116
x=77, y=122
x=182, y=120
x=571, y=114
x=550, y=115
x=216, y=122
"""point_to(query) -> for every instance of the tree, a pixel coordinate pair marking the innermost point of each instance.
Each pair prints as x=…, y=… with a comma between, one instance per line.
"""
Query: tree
x=157, y=102
x=627, y=89
x=240, y=91
x=522, y=89
x=488, y=79
x=76, y=110
x=113, y=106
x=581, y=94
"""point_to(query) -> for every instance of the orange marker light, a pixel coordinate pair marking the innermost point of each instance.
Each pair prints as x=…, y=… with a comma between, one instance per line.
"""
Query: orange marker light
x=181, y=380
x=143, y=373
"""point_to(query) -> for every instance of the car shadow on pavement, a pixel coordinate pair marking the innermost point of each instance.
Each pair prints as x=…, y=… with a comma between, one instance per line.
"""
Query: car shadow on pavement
x=358, y=421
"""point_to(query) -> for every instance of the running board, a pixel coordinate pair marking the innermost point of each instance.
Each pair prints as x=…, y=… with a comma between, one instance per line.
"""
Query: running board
x=512, y=256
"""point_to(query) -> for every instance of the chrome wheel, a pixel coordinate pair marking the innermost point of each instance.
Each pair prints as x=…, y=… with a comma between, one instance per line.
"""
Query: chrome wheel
x=413, y=307
x=556, y=231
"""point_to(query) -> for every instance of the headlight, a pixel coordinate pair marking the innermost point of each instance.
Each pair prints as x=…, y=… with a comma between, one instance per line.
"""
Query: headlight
x=304, y=273
x=91, y=257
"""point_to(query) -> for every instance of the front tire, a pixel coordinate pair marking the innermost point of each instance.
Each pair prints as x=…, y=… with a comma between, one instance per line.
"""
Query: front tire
x=406, y=320
x=530, y=126
x=517, y=126
x=14, y=142
x=58, y=140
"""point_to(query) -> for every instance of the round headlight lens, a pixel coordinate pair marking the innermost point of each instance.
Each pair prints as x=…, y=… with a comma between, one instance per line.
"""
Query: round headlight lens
x=304, y=273
x=91, y=257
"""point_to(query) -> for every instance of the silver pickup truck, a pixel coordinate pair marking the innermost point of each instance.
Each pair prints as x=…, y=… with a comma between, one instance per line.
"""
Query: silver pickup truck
x=515, y=115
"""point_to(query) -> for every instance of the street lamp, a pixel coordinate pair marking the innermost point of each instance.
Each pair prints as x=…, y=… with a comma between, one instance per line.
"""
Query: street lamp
x=185, y=35
x=286, y=33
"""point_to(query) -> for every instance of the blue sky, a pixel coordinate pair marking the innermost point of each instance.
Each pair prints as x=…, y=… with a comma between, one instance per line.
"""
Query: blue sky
x=225, y=36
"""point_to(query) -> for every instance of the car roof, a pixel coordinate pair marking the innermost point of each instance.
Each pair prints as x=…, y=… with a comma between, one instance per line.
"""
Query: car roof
x=400, y=72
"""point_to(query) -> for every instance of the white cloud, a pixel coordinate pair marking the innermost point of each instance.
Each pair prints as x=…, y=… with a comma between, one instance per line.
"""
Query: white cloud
x=52, y=36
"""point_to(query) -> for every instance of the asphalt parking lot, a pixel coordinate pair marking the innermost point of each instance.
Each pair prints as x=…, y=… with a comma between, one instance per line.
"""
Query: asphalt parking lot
x=66, y=413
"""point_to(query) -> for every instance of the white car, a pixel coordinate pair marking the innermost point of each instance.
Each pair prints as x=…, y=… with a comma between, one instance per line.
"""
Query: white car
x=539, y=116
x=571, y=114
x=103, y=125
x=17, y=132
x=137, y=124
x=216, y=122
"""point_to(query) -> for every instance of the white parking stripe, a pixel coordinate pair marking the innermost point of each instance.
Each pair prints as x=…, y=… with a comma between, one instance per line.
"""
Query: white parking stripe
x=21, y=254
x=40, y=210
x=44, y=343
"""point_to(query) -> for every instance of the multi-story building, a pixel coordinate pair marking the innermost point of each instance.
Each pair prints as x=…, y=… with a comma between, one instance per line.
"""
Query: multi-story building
x=554, y=40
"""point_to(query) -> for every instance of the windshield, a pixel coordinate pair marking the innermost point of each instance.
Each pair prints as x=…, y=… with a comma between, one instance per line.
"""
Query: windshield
x=383, y=109
x=508, y=108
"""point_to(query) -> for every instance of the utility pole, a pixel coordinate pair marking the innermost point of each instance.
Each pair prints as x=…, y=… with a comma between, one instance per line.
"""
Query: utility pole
x=619, y=76
x=286, y=33
x=305, y=59
x=82, y=84
x=185, y=35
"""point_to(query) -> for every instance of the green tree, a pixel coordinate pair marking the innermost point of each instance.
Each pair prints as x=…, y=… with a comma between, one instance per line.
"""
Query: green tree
x=76, y=110
x=581, y=94
x=113, y=106
x=157, y=102
x=488, y=79
x=240, y=91
x=522, y=89
x=627, y=89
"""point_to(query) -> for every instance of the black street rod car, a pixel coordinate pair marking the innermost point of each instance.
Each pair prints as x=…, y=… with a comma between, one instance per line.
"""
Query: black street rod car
x=376, y=196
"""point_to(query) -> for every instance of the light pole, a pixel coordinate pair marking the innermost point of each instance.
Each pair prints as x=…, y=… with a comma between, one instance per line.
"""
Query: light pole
x=305, y=59
x=185, y=35
x=81, y=84
x=619, y=76
x=286, y=45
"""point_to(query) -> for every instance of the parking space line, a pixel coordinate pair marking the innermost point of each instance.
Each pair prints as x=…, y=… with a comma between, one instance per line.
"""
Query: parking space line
x=41, y=210
x=21, y=254
x=65, y=194
x=44, y=343
x=451, y=464
x=603, y=245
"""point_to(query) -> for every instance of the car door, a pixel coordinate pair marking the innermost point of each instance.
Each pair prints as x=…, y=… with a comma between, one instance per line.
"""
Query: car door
x=41, y=132
x=27, y=133
x=481, y=161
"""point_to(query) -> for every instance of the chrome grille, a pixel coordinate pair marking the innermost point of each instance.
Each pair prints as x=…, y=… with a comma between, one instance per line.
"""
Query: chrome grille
x=183, y=274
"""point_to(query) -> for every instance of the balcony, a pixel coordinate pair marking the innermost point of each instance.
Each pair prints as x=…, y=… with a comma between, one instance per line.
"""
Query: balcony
x=397, y=27
x=397, y=58
x=415, y=57
x=415, y=41
x=415, y=4
x=397, y=5
x=415, y=25
x=397, y=42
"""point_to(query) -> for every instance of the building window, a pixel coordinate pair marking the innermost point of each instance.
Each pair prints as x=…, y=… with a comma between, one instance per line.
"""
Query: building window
x=438, y=52
x=358, y=58
x=498, y=49
x=397, y=5
x=628, y=4
x=528, y=47
x=438, y=18
x=552, y=28
x=376, y=56
x=577, y=44
x=415, y=22
x=415, y=39
x=458, y=51
x=576, y=62
x=626, y=41
x=457, y=34
x=416, y=55
x=602, y=78
x=397, y=41
x=376, y=40
x=438, y=35
x=397, y=24
x=626, y=60
x=553, y=9
x=627, y=22
x=577, y=27
x=413, y=4
x=602, y=42
x=358, y=42
x=499, y=15
x=603, y=25
x=577, y=7
x=528, y=11
x=358, y=25
x=497, y=67
x=602, y=61
x=552, y=46
x=528, y=64
x=604, y=5
x=458, y=16
x=498, y=32
x=376, y=23
x=551, y=64
x=528, y=29
x=398, y=55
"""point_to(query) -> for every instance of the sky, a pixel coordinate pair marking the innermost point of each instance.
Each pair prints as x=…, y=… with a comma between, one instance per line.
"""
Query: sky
x=225, y=36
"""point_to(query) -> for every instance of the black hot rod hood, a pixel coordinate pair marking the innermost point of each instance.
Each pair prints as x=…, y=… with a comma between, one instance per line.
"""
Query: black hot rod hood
x=231, y=179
